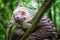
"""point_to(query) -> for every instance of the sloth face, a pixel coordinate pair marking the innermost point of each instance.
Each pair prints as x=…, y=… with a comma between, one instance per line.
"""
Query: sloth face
x=21, y=15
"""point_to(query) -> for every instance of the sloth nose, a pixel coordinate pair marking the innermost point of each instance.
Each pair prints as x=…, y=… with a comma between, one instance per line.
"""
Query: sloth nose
x=17, y=17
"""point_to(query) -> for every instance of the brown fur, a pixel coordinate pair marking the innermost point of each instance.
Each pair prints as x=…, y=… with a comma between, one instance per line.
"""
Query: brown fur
x=45, y=31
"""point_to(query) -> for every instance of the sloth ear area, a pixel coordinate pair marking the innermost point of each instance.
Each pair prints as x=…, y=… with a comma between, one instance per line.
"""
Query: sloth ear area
x=23, y=13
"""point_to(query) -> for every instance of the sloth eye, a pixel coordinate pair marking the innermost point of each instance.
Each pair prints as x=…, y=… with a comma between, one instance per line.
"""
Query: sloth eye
x=24, y=18
x=23, y=13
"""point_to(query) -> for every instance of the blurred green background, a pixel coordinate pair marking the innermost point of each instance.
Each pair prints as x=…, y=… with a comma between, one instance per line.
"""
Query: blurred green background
x=7, y=7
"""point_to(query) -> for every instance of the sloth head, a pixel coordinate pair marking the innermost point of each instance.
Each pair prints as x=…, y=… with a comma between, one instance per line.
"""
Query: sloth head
x=21, y=15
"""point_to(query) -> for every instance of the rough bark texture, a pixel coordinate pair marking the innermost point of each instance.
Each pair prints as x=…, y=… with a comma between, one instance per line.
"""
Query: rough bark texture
x=45, y=31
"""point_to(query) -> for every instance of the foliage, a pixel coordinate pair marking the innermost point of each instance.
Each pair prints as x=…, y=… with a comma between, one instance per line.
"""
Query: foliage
x=7, y=7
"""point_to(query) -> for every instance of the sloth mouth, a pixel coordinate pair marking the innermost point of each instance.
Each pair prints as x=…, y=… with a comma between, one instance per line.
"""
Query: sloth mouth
x=19, y=21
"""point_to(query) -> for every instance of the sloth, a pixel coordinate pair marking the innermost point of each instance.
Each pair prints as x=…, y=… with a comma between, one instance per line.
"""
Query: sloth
x=21, y=18
x=45, y=28
x=45, y=31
